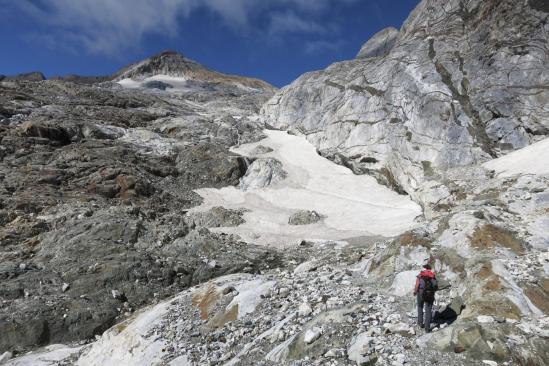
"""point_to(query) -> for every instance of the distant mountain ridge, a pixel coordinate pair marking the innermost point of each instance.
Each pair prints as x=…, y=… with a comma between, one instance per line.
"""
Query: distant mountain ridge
x=174, y=64
x=169, y=63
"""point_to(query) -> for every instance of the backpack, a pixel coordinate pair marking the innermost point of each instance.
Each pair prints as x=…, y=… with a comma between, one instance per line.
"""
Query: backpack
x=430, y=286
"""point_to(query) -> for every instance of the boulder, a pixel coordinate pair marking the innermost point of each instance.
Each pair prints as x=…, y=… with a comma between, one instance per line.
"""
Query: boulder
x=304, y=217
x=312, y=335
x=262, y=173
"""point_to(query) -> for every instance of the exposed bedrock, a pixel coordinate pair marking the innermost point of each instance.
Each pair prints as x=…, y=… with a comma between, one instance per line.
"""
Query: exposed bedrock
x=464, y=82
x=95, y=181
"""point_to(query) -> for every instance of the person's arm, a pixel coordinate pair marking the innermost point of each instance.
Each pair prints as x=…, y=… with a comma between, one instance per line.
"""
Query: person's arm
x=416, y=287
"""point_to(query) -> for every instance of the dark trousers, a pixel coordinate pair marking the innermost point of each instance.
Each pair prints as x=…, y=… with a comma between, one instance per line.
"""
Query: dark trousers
x=428, y=313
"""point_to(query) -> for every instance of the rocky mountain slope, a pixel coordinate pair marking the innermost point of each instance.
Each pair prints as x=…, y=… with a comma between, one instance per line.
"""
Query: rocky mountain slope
x=95, y=183
x=464, y=81
x=118, y=194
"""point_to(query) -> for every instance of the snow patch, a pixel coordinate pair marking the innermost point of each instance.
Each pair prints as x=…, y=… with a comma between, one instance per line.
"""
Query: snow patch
x=49, y=356
x=177, y=83
x=533, y=159
x=354, y=205
x=127, y=344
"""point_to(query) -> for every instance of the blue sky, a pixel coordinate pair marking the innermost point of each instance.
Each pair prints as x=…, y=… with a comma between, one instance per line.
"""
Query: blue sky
x=274, y=40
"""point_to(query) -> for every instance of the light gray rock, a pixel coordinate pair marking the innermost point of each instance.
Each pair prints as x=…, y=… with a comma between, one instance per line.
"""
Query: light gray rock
x=117, y=295
x=304, y=309
x=262, y=173
x=447, y=95
x=360, y=348
x=5, y=356
x=304, y=217
x=380, y=44
x=312, y=335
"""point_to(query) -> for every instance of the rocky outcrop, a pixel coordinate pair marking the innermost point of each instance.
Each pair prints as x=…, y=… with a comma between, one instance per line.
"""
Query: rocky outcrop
x=464, y=82
x=263, y=173
x=380, y=44
x=215, y=217
x=304, y=217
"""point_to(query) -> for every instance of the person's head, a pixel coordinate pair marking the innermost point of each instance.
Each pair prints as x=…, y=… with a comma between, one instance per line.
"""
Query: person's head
x=427, y=266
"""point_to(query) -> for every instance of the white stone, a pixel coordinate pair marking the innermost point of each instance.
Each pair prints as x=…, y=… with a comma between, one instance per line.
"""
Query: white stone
x=331, y=353
x=400, y=359
x=359, y=348
x=5, y=356
x=312, y=335
x=284, y=292
x=485, y=319
x=404, y=282
x=304, y=309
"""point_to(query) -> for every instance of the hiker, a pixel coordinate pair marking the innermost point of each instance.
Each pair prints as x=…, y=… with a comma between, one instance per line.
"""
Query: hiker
x=426, y=285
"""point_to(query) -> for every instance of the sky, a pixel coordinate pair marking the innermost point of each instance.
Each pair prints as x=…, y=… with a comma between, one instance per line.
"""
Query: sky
x=273, y=40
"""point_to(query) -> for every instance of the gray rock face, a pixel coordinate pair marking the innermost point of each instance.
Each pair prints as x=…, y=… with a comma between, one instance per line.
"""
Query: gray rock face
x=380, y=44
x=464, y=82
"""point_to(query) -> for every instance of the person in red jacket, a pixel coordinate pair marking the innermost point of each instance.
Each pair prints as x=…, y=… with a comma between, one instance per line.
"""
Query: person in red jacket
x=424, y=289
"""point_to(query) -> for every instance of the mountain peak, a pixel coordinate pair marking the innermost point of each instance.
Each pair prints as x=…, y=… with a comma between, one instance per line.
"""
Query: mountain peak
x=172, y=64
x=167, y=62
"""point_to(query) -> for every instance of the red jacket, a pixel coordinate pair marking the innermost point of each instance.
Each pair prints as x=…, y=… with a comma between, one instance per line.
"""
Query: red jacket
x=424, y=273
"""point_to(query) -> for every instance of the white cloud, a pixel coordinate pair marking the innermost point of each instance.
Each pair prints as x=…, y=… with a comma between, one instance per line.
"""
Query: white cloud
x=290, y=22
x=112, y=26
x=106, y=26
x=320, y=46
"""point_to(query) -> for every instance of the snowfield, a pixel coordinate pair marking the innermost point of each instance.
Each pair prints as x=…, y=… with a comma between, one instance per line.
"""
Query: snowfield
x=351, y=205
x=532, y=159
x=177, y=83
